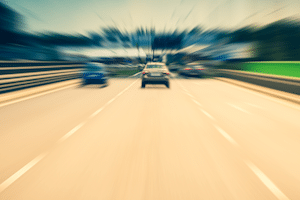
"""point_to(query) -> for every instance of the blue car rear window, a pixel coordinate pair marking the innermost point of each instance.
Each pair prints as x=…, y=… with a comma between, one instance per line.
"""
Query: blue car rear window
x=93, y=68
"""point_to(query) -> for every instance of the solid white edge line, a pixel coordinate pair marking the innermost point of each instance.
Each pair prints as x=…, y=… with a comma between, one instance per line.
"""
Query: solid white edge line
x=35, y=95
x=197, y=102
x=22, y=171
x=230, y=139
x=274, y=189
x=207, y=114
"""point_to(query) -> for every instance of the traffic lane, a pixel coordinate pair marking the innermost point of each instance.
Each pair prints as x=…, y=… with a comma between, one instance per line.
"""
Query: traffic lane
x=32, y=126
x=149, y=143
x=267, y=131
x=253, y=100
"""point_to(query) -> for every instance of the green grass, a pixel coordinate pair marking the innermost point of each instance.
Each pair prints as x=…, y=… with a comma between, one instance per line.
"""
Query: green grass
x=291, y=69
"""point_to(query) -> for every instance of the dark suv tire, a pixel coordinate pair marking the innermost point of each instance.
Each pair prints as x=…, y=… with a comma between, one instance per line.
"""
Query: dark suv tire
x=167, y=84
x=143, y=84
x=84, y=83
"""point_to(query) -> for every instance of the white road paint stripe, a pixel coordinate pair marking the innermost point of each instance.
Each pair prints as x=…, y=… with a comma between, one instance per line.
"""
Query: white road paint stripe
x=232, y=141
x=100, y=109
x=135, y=74
x=199, y=104
x=274, y=189
x=120, y=94
x=130, y=85
x=268, y=183
x=111, y=100
x=22, y=171
x=207, y=114
x=182, y=87
x=190, y=95
x=97, y=112
x=35, y=95
x=201, y=84
x=279, y=101
x=253, y=105
x=238, y=108
x=71, y=132
x=28, y=166
x=93, y=115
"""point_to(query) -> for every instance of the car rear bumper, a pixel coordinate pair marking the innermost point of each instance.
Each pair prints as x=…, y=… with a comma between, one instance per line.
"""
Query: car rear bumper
x=155, y=80
x=193, y=73
x=95, y=80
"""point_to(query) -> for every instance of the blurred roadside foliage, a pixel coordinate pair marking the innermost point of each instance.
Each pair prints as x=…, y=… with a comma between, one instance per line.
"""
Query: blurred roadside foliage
x=278, y=41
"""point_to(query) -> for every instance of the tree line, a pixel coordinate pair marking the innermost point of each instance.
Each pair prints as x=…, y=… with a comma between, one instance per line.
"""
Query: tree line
x=278, y=41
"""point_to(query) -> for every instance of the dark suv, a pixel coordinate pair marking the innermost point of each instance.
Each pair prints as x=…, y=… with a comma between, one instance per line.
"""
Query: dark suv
x=155, y=73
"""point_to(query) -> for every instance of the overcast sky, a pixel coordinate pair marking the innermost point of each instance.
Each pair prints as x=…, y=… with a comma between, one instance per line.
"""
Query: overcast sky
x=80, y=16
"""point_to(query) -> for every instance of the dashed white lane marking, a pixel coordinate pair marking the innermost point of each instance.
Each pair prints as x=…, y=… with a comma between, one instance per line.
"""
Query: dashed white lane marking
x=120, y=93
x=182, y=87
x=22, y=171
x=253, y=105
x=100, y=109
x=28, y=166
x=190, y=95
x=207, y=114
x=274, y=189
x=199, y=104
x=111, y=100
x=232, y=141
x=202, y=83
x=185, y=89
x=279, y=101
x=135, y=74
x=238, y=108
x=268, y=183
x=97, y=112
x=71, y=132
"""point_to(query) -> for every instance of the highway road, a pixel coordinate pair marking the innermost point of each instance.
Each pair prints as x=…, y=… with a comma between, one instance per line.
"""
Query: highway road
x=200, y=139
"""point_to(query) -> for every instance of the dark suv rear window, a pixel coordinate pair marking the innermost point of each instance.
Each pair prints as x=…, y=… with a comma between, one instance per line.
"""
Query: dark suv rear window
x=155, y=66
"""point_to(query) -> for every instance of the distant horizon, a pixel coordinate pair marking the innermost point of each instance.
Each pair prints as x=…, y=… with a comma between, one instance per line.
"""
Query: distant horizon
x=78, y=17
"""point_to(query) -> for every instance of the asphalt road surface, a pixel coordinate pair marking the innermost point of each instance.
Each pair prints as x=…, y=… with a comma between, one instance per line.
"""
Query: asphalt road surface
x=200, y=139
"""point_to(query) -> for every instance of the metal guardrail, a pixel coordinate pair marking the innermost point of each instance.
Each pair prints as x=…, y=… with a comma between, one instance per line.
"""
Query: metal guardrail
x=281, y=83
x=16, y=75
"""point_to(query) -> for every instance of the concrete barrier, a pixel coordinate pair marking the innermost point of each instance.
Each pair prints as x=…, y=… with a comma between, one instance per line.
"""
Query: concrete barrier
x=16, y=75
x=281, y=83
x=285, y=88
x=10, y=97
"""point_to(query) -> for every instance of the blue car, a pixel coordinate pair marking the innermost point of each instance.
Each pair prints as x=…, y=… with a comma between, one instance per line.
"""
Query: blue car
x=95, y=73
